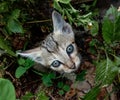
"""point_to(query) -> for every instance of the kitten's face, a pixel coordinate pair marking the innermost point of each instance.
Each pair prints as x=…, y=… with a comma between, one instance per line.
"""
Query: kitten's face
x=58, y=51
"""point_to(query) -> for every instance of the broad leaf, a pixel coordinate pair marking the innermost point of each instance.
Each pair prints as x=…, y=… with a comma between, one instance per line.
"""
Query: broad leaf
x=47, y=81
x=117, y=60
x=21, y=61
x=108, y=30
x=7, y=90
x=15, y=14
x=61, y=92
x=111, y=23
x=106, y=70
x=52, y=75
x=47, y=78
x=92, y=94
x=42, y=96
x=60, y=84
x=66, y=87
x=24, y=65
x=5, y=47
x=27, y=96
x=112, y=13
x=20, y=71
x=28, y=63
x=14, y=26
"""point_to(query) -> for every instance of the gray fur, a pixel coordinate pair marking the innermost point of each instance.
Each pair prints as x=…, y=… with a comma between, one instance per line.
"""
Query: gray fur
x=54, y=48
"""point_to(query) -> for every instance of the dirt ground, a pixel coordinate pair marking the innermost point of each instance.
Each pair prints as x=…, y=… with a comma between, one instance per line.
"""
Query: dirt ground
x=32, y=82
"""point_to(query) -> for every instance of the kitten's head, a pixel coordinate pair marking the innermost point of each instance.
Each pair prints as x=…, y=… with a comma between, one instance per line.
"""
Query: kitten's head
x=58, y=51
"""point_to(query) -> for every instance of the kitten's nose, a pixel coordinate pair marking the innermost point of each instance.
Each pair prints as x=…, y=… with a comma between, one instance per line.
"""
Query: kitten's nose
x=70, y=64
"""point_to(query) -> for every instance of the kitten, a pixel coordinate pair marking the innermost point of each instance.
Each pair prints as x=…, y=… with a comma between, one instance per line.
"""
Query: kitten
x=58, y=51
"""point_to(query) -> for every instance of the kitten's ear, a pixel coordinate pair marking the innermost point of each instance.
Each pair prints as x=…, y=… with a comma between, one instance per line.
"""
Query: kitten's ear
x=34, y=54
x=59, y=24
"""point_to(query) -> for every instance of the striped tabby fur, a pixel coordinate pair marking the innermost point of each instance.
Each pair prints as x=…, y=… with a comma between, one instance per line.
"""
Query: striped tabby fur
x=58, y=51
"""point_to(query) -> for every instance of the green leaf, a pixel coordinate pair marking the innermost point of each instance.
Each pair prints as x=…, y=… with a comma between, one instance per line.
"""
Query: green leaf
x=47, y=80
x=7, y=90
x=84, y=20
x=117, y=63
x=106, y=71
x=64, y=1
x=94, y=29
x=57, y=6
x=112, y=13
x=52, y=75
x=20, y=71
x=15, y=14
x=27, y=96
x=81, y=76
x=111, y=23
x=117, y=60
x=92, y=94
x=21, y=61
x=28, y=63
x=60, y=84
x=108, y=30
x=92, y=45
x=66, y=88
x=93, y=42
x=24, y=65
x=71, y=20
x=3, y=7
x=5, y=47
x=61, y=92
x=117, y=23
x=42, y=96
x=14, y=26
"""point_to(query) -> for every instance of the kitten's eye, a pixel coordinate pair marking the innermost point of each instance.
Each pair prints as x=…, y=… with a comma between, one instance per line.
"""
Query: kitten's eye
x=70, y=49
x=56, y=63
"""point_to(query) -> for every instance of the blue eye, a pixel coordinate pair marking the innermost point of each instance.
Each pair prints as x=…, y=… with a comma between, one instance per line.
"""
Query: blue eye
x=56, y=63
x=70, y=49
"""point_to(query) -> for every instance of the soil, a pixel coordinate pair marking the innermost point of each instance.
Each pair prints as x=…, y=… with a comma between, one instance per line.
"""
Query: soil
x=30, y=81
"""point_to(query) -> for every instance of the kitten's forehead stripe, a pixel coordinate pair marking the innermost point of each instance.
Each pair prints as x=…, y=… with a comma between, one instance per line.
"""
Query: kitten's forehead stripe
x=50, y=44
x=54, y=40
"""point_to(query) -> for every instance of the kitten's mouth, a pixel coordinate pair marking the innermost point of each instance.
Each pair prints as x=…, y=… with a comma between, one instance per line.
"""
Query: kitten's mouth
x=70, y=71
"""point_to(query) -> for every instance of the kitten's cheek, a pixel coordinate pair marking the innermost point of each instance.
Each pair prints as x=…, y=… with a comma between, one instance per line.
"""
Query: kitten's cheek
x=77, y=61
